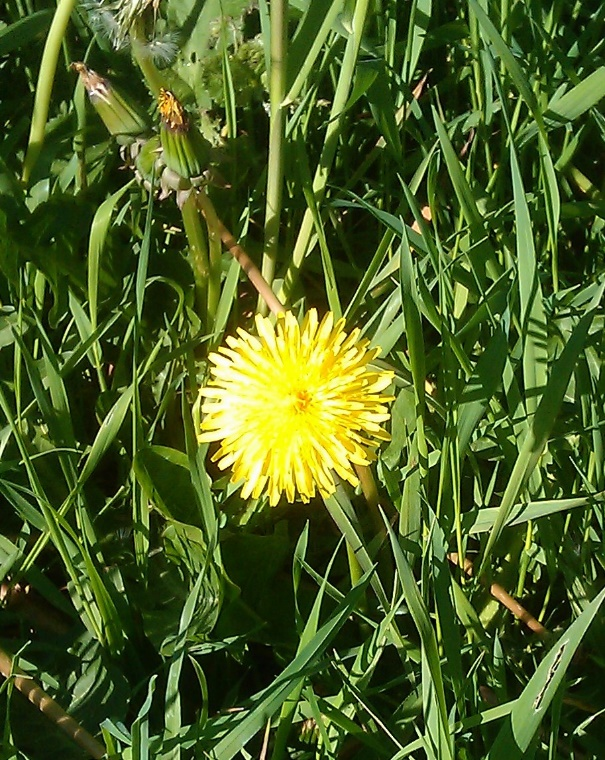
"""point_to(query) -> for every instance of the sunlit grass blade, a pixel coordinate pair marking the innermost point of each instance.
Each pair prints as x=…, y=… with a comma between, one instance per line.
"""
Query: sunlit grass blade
x=508, y=59
x=333, y=130
x=530, y=707
x=541, y=425
x=415, y=343
x=438, y=738
x=140, y=726
x=532, y=510
x=98, y=235
x=309, y=630
x=106, y=435
x=532, y=316
x=311, y=33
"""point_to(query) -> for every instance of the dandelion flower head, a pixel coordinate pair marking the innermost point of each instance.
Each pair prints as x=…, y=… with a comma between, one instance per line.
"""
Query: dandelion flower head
x=294, y=405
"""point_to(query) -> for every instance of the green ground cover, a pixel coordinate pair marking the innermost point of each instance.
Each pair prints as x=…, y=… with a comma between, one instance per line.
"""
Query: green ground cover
x=432, y=172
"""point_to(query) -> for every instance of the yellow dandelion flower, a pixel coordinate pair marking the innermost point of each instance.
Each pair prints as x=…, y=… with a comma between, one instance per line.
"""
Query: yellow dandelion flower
x=294, y=405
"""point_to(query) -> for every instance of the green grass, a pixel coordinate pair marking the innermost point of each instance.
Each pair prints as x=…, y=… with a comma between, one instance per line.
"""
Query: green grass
x=460, y=224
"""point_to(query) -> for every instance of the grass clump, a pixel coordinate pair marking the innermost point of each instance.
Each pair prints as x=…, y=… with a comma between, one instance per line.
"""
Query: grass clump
x=431, y=174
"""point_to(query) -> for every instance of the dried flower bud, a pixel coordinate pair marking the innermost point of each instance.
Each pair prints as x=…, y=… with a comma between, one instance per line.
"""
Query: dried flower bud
x=122, y=120
x=185, y=151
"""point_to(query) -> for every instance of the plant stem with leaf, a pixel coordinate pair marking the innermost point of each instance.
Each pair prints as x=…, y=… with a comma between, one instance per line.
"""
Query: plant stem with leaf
x=152, y=76
x=238, y=253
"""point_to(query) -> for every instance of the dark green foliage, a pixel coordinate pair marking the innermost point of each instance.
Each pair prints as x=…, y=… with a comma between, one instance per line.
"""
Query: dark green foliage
x=458, y=220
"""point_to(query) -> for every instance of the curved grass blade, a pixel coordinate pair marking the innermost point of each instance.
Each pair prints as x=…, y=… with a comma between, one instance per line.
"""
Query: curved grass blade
x=24, y=31
x=529, y=709
x=270, y=700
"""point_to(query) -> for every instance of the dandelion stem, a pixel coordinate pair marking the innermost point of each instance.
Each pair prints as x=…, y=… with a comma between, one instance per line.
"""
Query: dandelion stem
x=152, y=76
x=44, y=86
x=198, y=252
x=370, y=492
x=275, y=164
x=214, y=281
x=346, y=520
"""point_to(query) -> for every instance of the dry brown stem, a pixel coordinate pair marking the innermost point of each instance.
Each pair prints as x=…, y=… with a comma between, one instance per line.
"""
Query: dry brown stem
x=506, y=599
x=251, y=270
x=47, y=705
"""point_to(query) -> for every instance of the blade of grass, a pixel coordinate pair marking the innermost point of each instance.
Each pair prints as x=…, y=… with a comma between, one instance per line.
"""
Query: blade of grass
x=23, y=31
x=533, y=510
x=270, y=700
x=529, y=708
x=541, y=425
x=415, y=344
x=437, y=736
x=307, y=42
x=533, y=319
x=309, y=630
x=332, y=136
x=96, y=243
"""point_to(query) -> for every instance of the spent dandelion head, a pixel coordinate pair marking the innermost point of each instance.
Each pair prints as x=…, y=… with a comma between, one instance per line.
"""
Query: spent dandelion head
x=294, y=406
x=122, y=119
x=184, y=149
x=172, y=112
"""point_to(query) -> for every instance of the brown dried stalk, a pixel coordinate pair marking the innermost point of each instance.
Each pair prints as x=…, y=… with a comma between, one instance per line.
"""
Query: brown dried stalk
x=506, y=599
x=47, y=705
x=251, y=270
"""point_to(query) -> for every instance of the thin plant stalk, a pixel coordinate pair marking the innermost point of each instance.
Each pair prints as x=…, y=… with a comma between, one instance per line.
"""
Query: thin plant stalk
x=214, y=280
x=344, y=524
x=275, y=166
x=333, y=131
x=44, y=86
x=152, y=76
x=198, y=252
x=502, y=596
x=370, y=492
